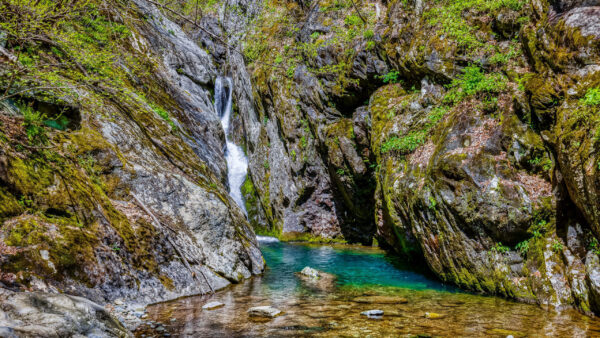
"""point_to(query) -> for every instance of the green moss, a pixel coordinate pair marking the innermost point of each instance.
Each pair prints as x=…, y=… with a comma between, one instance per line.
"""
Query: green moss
x=307, y=237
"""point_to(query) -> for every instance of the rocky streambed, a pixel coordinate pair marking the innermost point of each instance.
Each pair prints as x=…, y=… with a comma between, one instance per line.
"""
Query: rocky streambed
x=413, y=303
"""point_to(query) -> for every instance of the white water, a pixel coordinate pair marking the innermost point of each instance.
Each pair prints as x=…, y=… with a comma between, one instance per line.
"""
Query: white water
x=237, y=163
x=266, y=239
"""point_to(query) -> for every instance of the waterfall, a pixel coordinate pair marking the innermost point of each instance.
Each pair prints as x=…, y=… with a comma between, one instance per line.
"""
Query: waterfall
x=237, y=163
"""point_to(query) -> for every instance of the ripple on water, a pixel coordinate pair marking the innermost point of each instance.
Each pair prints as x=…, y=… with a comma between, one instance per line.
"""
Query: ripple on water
x=367, y=279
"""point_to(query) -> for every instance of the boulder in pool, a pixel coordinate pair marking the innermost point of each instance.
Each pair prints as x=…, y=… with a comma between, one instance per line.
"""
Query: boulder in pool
x=264, y=311
x=317, y=280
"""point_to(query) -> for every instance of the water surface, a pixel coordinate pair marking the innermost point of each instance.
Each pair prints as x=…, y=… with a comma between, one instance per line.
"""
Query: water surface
x=367, y=279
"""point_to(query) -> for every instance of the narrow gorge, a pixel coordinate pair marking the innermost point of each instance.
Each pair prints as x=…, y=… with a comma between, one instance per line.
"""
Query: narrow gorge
x=426, y=157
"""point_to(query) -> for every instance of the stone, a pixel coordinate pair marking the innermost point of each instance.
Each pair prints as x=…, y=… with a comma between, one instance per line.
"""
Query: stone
x=310, y=272
x=433, y=315
x=264, y=311
x=212, y=306
x=372, y=313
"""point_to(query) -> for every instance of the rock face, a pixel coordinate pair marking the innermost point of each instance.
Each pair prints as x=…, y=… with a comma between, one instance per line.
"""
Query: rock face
x=130, y=200
x=463, y=137
x=37, y=314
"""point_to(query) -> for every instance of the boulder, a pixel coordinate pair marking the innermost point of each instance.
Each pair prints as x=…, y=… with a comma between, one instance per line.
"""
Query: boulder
x=264, y=311
x=38, y=314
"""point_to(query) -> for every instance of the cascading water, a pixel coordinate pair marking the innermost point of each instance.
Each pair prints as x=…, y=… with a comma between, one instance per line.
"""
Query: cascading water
x=237, y=163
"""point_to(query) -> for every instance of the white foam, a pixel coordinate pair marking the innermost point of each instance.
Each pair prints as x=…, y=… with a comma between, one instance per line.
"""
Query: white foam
x=266, y=239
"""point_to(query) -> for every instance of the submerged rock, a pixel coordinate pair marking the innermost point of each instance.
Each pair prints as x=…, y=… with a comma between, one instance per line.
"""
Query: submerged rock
x=264, y=311
x=433, y=315
x=372, y=313
x=212, y=305
x=318, y=280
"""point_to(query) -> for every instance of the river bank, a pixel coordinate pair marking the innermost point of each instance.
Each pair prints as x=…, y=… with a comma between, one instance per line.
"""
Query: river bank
x=413, y=302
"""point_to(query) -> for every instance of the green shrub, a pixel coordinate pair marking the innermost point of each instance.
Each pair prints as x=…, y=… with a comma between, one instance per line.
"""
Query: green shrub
x=499, y=248
x=390, y=77
x=592, y=97
x=473, y=82
x=33, y=124
x=523, y=247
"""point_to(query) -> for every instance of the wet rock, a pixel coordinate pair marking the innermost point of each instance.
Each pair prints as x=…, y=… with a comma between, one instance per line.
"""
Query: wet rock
x=212, y=305
x=264, y=311
x=373, y=313
x=310, y=272
x=433, y=315
x=317, y=280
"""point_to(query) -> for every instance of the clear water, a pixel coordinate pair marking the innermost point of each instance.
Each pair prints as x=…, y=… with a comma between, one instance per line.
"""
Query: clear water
x=353, y=267
x=367, y=279
x=237, y=163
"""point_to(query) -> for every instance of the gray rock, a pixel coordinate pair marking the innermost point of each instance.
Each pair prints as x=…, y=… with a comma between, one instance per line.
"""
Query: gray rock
x=27, y=314
x=310, y=272
x=372, y=313
x=264, y=311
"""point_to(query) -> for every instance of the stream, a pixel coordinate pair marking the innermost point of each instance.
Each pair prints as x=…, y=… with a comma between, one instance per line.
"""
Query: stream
x=414, y=303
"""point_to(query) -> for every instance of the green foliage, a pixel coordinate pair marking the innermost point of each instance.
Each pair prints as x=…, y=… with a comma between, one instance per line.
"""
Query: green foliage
x=266, y=164
x=164, y=114
x=594, y=245
x=450, y=19
x=545, y=163
x=368, y=34
x=33, y=124
x=523, y=247
x=405, y=144
x=557, y=246
x=340, y=172
x=432, y=203
x=474, y=82
x=591, y=98
x=408, y=143
x=499, y=248
x=390, y=77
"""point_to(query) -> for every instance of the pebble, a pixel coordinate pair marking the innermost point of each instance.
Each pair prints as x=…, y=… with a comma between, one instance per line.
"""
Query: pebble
x=119, y=301
x=160, y=329
x=173, y=320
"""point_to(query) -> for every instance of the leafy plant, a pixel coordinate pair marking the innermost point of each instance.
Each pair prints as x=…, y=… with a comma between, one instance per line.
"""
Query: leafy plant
x=472, y=82
x=390, y=77
x=523, y=247
x=592, y=97
x=33, y=124
x=557, y=246
x=499, y=248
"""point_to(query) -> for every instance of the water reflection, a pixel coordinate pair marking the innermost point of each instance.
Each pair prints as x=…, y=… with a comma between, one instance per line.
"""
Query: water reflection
x=366, y=279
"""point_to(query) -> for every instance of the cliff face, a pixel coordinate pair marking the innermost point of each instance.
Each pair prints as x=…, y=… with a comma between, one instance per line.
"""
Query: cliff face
x=125, y=196
x=461, y=133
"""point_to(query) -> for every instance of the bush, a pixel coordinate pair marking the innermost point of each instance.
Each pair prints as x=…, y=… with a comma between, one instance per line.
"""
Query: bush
x=592, y=97
x=472, y=82
x=33, y=123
